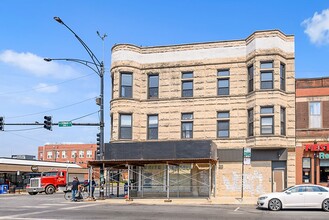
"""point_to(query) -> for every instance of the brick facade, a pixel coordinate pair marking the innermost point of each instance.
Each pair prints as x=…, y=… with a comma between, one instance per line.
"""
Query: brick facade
x=205, y=60
x=312, y=131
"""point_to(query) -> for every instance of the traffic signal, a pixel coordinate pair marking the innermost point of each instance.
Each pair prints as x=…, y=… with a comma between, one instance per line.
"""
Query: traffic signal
x=47, y=123
x=2, y=124
x=98, y=151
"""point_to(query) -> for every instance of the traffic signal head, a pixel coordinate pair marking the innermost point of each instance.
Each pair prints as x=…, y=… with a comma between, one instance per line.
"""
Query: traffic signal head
x=98, y=139
x=1, y=124
x=47, y=123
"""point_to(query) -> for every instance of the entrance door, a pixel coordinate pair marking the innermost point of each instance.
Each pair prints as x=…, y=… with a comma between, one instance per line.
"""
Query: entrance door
x=278, y=176
x=278, y=180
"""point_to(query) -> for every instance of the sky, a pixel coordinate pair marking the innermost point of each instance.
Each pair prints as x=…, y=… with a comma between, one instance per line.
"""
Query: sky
x=31, y=88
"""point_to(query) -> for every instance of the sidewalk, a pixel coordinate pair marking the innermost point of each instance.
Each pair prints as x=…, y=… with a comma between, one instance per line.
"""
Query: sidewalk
x=184, y=201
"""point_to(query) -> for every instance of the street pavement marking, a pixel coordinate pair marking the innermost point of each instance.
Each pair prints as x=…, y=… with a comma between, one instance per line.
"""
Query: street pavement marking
x=236, y=209
x=18, y=215
x=80, y=206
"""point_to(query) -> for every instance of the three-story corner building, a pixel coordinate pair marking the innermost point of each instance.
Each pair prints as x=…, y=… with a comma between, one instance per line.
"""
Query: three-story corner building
x=205, y=119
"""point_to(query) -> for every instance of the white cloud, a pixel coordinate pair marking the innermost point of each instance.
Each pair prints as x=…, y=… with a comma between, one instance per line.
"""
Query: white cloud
x=317, y=27
x=37, y=66
x=45, y=88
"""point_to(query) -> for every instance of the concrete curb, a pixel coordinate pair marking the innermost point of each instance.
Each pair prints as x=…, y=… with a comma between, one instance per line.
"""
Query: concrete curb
x=183, y=201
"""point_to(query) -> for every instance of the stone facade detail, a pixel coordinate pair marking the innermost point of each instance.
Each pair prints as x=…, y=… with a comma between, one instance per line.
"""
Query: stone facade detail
x=204, y=60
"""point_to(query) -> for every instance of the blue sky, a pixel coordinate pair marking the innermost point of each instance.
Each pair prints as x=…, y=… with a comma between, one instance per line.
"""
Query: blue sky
x=31, y=88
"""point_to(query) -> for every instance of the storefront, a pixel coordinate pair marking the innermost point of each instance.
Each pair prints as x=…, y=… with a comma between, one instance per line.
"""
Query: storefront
x=312, y=163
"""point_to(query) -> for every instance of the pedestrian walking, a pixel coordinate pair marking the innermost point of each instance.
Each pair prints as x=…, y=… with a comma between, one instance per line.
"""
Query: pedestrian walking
x=75, y=187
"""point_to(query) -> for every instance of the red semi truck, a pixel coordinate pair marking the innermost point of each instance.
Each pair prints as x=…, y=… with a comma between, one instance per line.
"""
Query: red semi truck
x=49, y=182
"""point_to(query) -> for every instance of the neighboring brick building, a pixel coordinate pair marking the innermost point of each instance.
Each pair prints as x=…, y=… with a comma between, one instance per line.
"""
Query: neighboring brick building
x=68, y=153
x=312, y=130
x=239, y=95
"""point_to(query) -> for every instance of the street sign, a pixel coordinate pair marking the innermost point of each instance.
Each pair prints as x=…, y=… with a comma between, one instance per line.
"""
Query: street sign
x=65, y=124
x=247, y=152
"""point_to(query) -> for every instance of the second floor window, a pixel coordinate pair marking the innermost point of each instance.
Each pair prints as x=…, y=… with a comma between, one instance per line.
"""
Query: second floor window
x=223, y=82
x=187, y=84
x=283, y=76
x=283, y=120
x=125, y=130
x=73, y=154
x=153, y=86
x=223, y=124
x=315, y=115
x=187, y=125
x=267, y=120
x=49, y=155
x=266, y=75
x=89, y=154
x=250, y=122
x=126, y=85
x=251, y=78
x=81, y=154
x=63, y=154
x=152, y=127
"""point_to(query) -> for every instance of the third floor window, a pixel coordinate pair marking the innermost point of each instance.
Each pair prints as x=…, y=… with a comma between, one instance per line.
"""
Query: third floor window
x=223, y=82
x=153, y=86
x=283, y=76
x=251, y=78
x=266, y=75
x=187, y=84
x=126, y=85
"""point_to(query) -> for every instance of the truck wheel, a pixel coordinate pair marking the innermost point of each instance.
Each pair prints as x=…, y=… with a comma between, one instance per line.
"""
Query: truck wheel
x=33, y=193
x=50, y=189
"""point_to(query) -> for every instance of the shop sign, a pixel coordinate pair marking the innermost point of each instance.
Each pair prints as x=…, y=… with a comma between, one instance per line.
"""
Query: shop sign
x=34, y=168
x=317, y=147
x=323, y=155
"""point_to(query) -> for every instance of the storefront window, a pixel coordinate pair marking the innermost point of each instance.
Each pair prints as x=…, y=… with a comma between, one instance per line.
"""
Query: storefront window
x=324, y=170
x=306, y=169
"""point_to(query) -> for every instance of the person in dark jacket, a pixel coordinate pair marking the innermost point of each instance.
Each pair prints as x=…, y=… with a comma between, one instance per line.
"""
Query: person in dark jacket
x=75, y=187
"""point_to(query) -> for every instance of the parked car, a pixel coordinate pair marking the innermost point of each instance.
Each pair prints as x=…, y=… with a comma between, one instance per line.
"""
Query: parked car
x=296, y=197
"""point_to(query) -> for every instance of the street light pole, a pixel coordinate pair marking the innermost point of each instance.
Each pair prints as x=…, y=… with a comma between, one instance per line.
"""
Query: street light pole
x=98, y=68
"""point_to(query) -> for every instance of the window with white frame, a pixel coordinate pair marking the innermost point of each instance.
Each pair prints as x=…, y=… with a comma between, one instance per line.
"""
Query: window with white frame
x=266, y=75
x=315, y=115
x=187, y=125
x=73, y=154
x=63, y=154
x=49, y=154
x=223, y=82
x=223, y=124
x=89, y=153
x=81, y=154
x=267, y=120
x=187, y=84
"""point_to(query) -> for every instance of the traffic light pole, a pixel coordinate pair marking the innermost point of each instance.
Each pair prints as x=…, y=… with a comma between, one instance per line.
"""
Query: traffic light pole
x=98, y=68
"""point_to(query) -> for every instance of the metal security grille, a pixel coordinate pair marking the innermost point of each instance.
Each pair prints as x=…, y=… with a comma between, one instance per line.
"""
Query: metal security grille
x=163, y=180
x=35, y=182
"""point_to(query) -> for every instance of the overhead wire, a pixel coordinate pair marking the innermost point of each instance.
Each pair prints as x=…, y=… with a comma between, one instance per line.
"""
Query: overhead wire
x=50, y=110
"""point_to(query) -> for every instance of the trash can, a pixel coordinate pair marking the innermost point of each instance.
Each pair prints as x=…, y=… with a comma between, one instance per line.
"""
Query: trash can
x=3, y=189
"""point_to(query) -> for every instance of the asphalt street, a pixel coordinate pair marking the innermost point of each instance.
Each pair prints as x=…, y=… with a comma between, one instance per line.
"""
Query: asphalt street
x=56, y=207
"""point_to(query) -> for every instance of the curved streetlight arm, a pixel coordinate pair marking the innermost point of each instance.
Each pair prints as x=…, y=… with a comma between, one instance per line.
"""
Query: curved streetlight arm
x=96, y=62
x=83, y=62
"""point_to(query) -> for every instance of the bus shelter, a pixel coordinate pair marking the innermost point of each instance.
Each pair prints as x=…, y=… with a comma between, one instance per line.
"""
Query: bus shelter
x=160, y=169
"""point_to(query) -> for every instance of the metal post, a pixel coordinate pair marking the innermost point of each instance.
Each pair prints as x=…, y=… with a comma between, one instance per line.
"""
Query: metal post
x=128, y=191
x=209, y=182
x=215, y=180
x=168, y=184
x=242, y=173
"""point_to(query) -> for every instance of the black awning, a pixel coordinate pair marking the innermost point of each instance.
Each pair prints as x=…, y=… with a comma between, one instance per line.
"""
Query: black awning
x=186, y=151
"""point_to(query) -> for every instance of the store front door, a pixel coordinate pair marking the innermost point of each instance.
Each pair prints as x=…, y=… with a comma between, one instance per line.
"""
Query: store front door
x=278, y=176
